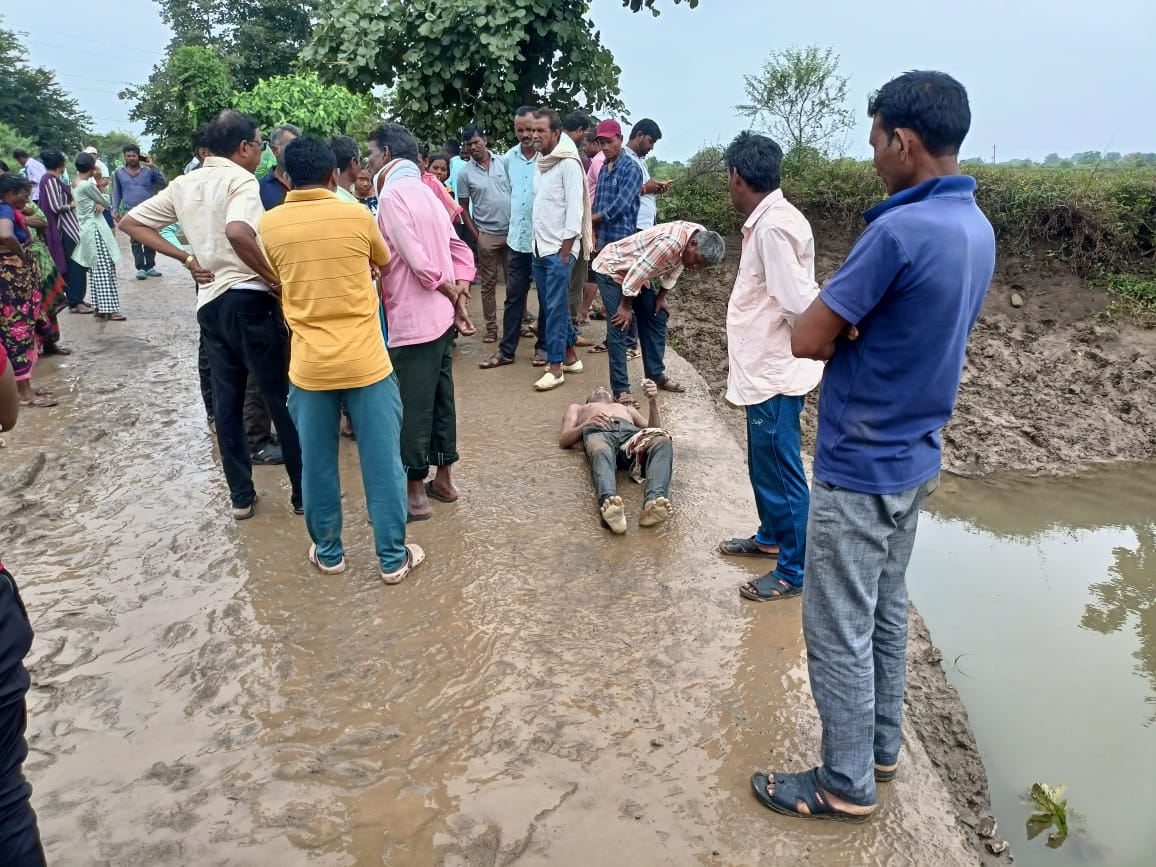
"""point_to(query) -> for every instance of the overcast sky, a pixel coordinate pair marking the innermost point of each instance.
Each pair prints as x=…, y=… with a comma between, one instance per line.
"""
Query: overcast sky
x=1043, y=75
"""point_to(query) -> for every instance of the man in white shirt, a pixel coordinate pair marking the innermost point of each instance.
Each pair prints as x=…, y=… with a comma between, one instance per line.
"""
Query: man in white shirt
x=775, y=284
x=562, y=233
x=32, y=168
x=219, y=207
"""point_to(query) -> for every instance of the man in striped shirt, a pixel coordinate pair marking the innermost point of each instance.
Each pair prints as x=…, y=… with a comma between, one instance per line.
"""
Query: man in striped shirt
x=633, y=275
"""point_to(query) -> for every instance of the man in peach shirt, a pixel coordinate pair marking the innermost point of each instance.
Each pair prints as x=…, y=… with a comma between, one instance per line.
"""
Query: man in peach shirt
x=775, y=284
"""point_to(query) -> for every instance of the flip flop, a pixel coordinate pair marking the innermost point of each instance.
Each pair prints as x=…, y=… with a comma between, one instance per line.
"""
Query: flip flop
x=434, y=495
x=411, y=518
x=598, y=347
x=495, y=361
x=671, y=385
x=769, y=588
x=41, y=401
x=792, y=788
x=634, y=353
x=745, y=548
x=539, y=361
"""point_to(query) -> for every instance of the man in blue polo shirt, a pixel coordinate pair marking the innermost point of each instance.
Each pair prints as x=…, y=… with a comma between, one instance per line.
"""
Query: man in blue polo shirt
x=893, y=325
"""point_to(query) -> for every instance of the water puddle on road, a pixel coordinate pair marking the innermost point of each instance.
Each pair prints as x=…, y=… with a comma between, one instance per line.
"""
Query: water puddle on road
x=1041, y=594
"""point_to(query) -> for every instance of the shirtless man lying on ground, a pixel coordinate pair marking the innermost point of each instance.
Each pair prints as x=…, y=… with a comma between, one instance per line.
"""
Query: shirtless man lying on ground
x=617, y=436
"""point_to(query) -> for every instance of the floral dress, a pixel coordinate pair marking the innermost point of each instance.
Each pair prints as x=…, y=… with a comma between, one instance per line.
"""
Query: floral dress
x=21, y=301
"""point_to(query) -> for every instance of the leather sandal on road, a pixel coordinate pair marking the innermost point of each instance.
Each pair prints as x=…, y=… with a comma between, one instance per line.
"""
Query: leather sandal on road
x=495, y=361
x=769, y=588
x=746, y=548
x=793, y=789
x=671, y=385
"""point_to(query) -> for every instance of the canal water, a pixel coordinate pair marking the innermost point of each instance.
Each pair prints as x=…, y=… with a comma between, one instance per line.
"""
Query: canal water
x=1041, y=594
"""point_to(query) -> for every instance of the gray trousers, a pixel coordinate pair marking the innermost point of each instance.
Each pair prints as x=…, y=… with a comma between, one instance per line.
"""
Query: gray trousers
x=855, y=626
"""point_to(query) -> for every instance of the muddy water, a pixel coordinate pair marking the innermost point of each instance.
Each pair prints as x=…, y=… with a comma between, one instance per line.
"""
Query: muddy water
x=1042, y=595
x=539, y=692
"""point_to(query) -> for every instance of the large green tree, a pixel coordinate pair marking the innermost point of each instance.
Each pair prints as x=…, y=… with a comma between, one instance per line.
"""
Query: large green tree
x=186, y=90
x=451, y=62
x=258, y=38
x=32, y=101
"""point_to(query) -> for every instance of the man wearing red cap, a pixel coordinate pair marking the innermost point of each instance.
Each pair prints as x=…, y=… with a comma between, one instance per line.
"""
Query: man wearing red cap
x=616, y=203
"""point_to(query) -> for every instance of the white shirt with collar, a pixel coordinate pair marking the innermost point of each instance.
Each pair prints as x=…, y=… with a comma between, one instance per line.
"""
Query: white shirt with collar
x=558, y=203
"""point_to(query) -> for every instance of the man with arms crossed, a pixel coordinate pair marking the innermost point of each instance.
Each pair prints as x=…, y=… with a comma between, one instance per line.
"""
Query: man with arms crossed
x=893, y=323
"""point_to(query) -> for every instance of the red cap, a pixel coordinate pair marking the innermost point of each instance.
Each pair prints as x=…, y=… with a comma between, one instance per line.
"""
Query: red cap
x=608, y=129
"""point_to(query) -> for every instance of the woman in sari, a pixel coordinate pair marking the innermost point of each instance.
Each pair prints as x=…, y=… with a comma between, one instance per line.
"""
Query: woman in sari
x=52, y=288
x=97, y=251
x=20, y=298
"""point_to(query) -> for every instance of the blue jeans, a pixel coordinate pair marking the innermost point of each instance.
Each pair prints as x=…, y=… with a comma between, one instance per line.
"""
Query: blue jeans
x=376, y=414
x=651, y=329
x=855, y=626
x=552, y=277
x=775, y=462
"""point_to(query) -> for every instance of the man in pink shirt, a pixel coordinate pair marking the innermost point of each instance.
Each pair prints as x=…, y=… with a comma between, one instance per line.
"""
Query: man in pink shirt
x=775, y=284
x=425, y=291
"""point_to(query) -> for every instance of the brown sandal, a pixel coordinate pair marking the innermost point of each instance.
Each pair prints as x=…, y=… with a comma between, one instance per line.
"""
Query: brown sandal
x=498, y=360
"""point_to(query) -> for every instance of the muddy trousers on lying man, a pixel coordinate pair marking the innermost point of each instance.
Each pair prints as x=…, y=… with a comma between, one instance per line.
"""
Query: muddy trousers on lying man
x=604, y=451
x=19, y=837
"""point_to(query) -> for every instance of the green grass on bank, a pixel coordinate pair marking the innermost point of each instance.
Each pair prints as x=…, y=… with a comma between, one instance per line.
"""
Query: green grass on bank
x=1097, y=220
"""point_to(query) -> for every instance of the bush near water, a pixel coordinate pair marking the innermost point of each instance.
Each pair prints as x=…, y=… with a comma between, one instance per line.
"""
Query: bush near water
x=1099, y=220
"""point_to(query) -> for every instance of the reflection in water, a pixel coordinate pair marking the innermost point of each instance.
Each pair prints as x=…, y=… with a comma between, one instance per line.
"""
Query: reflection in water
x=1130, y=591
x=1048, y=588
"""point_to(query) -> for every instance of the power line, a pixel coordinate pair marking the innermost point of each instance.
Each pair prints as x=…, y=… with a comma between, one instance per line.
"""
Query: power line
x=89, y=41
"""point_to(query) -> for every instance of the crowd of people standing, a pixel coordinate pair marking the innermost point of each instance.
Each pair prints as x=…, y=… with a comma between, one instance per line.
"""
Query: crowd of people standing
x=334, y=286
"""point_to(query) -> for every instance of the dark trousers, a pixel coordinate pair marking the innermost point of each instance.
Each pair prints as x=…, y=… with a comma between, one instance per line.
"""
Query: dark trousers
x=245, y=337
x=19, y=837
x=144, y=257
x=258, y=421
x=429, y=424
x=651, y=334
x=76, y=278
x=517, y=288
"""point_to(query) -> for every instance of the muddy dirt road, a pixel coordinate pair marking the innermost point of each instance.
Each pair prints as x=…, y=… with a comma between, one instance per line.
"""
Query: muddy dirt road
x=538, y=692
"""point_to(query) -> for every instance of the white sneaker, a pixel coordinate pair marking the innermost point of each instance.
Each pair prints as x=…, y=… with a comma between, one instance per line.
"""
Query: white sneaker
x=549, y=381
x=576, y=367
x=328, y=570
x=414, y=557
x=655, y=512
x=614, y=515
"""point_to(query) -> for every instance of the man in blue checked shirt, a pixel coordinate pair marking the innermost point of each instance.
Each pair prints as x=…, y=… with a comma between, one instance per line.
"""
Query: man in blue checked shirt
x=615, y=207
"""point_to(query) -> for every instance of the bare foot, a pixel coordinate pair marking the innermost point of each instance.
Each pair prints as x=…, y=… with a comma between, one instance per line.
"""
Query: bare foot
x=417, y=503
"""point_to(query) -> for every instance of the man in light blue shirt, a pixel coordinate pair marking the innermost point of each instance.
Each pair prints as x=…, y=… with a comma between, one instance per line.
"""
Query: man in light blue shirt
x=521, y=166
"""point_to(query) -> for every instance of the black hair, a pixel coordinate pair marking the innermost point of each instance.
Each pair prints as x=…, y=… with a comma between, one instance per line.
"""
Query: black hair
x=646, y=127
x=227, y=130
x=12, y=182
x=757, y=160
x=552, y=116
x=577, y=120
x=131, y=149
x=524, y=110
x=933, y=105
x=52, y=158
x=453, y=148
x=397, y=138
x=443, y=157
x=4, y=166
x=85, y=162
x=345, y=151
x=197, y=139
x=19, y=153
x=309, y=161
x=423, y=152
x=470, y=130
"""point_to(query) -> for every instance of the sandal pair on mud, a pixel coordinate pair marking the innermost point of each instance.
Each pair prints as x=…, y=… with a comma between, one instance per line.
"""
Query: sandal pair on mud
x=768, y=588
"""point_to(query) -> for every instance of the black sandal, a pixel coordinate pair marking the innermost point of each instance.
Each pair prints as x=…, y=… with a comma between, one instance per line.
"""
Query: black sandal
x=746, y=548
x=769, y=588
x=792, y=788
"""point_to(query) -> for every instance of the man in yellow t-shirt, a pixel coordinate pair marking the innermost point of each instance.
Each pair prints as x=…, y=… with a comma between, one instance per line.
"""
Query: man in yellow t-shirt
x=322, y=250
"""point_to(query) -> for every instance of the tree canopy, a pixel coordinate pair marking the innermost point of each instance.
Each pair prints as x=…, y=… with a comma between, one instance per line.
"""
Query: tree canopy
x=181, y=94
x=303, y=100
x=33, y=103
